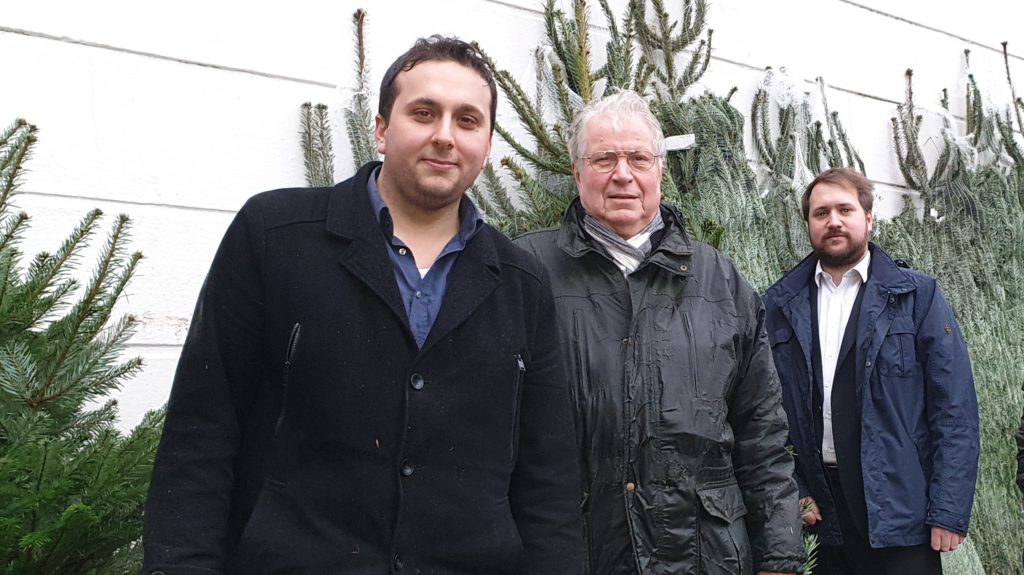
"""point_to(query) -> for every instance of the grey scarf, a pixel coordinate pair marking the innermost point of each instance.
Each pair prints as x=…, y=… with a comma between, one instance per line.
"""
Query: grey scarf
x=614, y=241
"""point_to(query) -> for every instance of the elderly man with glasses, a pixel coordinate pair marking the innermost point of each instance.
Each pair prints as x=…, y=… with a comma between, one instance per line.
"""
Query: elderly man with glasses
x=678, y=412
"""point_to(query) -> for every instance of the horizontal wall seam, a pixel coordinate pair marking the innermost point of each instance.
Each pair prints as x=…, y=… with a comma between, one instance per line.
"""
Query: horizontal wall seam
x=129, y=202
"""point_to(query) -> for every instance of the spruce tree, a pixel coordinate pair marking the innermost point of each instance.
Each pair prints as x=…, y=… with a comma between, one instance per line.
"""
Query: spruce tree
x=72, y=487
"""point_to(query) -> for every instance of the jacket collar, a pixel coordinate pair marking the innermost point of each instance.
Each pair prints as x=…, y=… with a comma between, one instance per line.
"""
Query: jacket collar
x=349, y=213
x=673, y=252
x=883, y=273
x=350, y=216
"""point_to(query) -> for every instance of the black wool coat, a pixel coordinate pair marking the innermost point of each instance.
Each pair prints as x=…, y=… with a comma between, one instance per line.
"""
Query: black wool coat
x=307, y=433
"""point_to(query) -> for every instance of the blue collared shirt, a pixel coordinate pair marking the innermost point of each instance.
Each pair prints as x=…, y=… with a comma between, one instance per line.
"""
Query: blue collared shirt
x=423, y=295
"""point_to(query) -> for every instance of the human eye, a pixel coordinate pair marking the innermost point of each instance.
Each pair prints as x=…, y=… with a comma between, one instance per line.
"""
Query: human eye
x=469, y=121
x=641, y=160
x=604, y=160
x=422, y=114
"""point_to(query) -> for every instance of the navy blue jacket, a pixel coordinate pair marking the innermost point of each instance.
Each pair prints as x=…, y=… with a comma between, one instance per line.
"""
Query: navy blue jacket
x=919, y=425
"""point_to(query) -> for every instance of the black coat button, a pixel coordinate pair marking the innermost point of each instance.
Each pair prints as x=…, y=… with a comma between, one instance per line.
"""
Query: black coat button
x=406, y=470
x=416, y=381
x=398, y=562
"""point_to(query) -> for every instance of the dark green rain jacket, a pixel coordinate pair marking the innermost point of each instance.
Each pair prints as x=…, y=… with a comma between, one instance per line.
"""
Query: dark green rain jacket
x=678, y=409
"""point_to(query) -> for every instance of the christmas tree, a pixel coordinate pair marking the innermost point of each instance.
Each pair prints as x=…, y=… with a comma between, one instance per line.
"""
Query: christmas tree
x=72, y=487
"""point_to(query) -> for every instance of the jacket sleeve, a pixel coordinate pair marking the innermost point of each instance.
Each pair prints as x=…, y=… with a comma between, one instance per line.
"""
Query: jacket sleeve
x=191, y=488
x=763, y=467
x=952, y=412
x=544, y=490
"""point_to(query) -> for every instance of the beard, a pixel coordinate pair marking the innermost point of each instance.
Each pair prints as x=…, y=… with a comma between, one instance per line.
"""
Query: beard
x=839, y=258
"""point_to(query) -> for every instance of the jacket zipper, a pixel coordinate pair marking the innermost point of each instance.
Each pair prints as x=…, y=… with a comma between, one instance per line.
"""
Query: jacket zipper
x=516, y=399
x=293, y=344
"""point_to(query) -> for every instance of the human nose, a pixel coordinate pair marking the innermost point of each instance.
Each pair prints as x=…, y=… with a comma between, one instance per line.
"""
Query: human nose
x=622, y=170
x=443, y=134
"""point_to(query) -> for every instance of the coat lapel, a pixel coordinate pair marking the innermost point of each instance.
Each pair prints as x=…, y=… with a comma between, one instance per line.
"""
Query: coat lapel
x=799, y=313
x=474, y=276
x=350, y=216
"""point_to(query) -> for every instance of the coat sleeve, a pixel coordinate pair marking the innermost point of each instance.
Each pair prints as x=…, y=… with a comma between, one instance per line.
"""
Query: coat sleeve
x=763, y=467
x=193, y=476
x=952, y=412
x=544, y=490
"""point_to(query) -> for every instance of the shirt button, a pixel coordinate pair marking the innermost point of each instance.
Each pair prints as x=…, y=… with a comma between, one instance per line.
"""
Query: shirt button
x=402, y=252
x=867, y=364
x=419, y=294
x=398, y=562
x=631, y=487
x=416, y=381
x=406, y=470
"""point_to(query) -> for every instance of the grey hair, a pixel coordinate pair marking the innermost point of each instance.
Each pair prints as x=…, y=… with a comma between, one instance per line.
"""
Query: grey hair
x=620, y=107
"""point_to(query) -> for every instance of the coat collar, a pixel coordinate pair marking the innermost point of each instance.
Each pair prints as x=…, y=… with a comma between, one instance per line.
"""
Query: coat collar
x=673, y=252
x=884, y=275
x=474, y=276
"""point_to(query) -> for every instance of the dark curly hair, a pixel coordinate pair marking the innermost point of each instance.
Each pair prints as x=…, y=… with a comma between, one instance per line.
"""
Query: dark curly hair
x=436, y=48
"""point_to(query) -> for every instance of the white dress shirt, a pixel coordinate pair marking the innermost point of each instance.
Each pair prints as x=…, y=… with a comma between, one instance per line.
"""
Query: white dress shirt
x=834, y=306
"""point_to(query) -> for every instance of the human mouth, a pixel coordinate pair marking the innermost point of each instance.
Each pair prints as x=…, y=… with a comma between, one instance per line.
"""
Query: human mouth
x=622, y=196
x=440, y=164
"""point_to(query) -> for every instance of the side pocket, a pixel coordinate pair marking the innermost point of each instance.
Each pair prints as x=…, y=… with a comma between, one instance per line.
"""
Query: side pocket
x=724, y=546
x=293, y=344
x=252, y=554
x=517, y=395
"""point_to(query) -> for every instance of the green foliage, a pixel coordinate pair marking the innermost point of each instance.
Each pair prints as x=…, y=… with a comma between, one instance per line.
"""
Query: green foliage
x=359, y=116
x=72, y=487
x=317, y=145
x=639, y=55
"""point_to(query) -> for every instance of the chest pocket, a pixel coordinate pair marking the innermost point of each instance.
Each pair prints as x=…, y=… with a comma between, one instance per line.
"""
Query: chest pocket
x=780, y=336
x=898, y=354
x=785, y=350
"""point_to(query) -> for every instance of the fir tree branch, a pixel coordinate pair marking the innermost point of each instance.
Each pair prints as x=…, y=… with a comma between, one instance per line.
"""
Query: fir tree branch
x=528, y=116
x=93, y=308
x=1017, y=103
x=359, y=116
x=580, y=64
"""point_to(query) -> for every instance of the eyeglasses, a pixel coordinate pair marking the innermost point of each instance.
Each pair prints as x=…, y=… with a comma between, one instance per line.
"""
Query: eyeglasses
x=606, y=161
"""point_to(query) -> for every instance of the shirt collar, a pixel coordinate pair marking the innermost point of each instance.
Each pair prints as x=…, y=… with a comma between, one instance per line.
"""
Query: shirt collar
x=470, y=220
x=861, y=269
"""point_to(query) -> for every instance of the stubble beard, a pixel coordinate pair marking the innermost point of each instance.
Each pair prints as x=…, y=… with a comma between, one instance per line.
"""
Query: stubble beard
x=435, y=198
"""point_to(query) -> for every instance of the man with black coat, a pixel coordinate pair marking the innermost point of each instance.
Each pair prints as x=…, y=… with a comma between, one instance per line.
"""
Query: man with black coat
x=678, y=409
x=371, y=382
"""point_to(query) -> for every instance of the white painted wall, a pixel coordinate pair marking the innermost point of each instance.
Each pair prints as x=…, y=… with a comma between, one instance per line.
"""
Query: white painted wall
x=176, y=112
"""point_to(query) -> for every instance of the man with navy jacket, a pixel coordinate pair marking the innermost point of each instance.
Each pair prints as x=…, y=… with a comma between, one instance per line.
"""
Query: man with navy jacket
x=878, y=389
